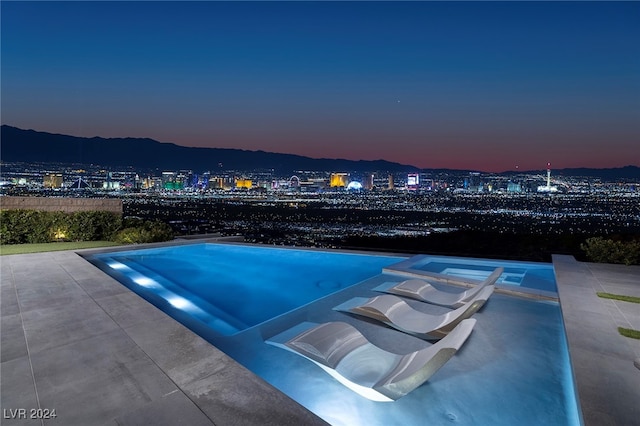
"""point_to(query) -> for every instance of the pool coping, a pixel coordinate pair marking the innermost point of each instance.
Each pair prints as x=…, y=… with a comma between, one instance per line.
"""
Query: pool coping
x=55, y=304
x=607, y=382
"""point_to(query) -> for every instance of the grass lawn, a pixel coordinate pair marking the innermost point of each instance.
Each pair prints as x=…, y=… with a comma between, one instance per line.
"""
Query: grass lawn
x=37, y=248
x=631, y=299
x=629, y=332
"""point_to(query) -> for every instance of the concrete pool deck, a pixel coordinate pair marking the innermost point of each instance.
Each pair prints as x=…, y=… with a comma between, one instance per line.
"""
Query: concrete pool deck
x=608, y=383
x=75, y=340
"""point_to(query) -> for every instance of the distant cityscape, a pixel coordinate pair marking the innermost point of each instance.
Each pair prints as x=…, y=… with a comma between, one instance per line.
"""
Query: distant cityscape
x=409, y=211
x=19, y=177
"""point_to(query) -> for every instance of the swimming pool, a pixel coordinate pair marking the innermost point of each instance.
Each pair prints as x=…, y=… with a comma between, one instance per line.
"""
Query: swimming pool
x=513, y=369
x=525, y=277
x=232, y=288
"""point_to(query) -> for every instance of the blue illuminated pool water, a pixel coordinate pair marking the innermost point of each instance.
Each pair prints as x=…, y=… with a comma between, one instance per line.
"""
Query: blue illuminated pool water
x=531, y=277
x=513, y=369
x=233, y=288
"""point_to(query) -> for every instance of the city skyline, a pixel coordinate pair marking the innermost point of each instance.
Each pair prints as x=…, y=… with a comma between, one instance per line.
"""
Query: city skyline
x=486, y=86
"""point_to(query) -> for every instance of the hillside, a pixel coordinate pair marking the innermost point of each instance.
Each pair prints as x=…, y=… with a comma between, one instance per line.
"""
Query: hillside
x=32, y=146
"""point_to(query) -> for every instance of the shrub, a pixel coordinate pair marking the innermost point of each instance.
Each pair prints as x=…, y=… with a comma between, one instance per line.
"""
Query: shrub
x=603, y=250
x=32, y=226
x=146, y=232
x=93, y=225
x=134, y=235
x=132, y=222
x=24, y=226
x=58, y=226
x=110, y=223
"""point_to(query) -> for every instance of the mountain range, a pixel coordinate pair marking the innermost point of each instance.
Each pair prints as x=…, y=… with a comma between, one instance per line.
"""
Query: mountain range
x=30, y=146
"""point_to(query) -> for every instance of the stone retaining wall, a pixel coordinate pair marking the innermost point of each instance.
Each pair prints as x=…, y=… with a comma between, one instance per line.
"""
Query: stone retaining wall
x=63, y=204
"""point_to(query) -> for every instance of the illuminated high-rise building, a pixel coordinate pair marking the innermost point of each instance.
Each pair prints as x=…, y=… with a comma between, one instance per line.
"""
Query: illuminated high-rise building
x=216, y=182
x=52, y=180
x=474, y=182
x=413, y=181
x=390, y=182
x=204, y=180
x=548, y=187
x=514, y=187
x=244, y=183
x=148, y=183
x=367, y=181
x=548, y=175
x=339, y=180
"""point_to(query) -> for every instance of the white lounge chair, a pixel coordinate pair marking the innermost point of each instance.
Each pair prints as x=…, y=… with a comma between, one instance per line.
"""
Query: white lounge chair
x=425, y=292
x=397, y=313
x=343, y=352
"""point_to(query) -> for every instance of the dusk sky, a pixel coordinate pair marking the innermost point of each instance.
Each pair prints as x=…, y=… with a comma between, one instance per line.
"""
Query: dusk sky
x=461, y=85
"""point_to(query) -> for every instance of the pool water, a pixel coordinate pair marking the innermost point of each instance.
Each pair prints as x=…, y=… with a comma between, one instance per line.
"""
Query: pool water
x=513, y=369
x=529, y=277
x=233, y=288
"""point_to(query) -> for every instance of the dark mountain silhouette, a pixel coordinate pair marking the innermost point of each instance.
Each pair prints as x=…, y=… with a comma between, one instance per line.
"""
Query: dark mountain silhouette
x=32, y=147
x=626, y=172
x=608, y=174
